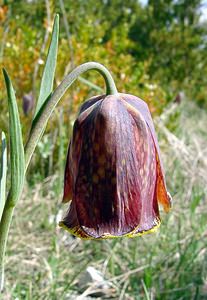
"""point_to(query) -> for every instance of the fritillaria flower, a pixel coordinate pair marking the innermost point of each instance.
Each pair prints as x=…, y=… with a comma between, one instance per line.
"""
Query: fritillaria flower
x=114, y=178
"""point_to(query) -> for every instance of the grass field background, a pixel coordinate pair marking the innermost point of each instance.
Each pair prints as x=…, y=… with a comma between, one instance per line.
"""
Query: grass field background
x=45, y=262
x=155, y=50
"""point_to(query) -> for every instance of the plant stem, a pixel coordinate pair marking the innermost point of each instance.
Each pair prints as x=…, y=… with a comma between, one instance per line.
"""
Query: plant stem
x=38, y=127
x=5, y=225
x=43, y=116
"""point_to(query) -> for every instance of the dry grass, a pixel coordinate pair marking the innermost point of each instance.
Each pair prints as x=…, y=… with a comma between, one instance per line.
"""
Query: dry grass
x=44, y=262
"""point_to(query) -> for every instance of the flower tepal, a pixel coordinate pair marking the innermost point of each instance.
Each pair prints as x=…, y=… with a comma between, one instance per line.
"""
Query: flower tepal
x=114, y=177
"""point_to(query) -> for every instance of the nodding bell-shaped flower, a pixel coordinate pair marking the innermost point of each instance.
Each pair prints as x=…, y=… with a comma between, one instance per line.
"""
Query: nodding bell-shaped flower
x=114, y=173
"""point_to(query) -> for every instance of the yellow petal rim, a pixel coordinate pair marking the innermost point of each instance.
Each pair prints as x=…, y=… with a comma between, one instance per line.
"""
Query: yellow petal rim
x=75, y=231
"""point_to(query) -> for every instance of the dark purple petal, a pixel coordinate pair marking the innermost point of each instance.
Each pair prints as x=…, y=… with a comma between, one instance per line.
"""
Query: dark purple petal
x=138, y=104
x=146, y=153
x=142, y=107
x=71, y=223
x=67, y=196
x=90, y=102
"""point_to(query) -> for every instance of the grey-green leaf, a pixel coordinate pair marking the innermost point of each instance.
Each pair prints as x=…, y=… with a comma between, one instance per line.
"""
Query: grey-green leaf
x=3, y=172
x=46, y=86
x=16, y=144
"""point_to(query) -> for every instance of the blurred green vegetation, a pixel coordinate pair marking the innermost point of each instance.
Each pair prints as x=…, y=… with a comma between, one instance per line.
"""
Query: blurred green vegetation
x=156, y=51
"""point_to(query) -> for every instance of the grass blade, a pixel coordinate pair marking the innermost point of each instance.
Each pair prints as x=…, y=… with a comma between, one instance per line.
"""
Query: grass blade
x=3, y=172
x=147, y=296
x=16, y=143
x=49, y=69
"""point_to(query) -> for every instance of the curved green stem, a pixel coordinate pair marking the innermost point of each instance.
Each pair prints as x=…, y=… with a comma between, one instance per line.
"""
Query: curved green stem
x=43, y=116
x=38, y=127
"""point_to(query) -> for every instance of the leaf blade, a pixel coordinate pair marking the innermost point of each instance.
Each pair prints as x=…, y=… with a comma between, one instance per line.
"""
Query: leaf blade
x=16, y=143
x=3, y=173
x=46, y=85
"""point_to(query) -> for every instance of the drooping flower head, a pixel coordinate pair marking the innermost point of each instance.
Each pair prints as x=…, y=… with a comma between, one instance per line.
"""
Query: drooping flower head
x=114, y=177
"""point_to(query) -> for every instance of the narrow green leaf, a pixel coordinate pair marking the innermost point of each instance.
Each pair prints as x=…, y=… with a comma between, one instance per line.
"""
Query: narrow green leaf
x=3, y=172
x=46, y=86
x=16, y=143
x=92, y=85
